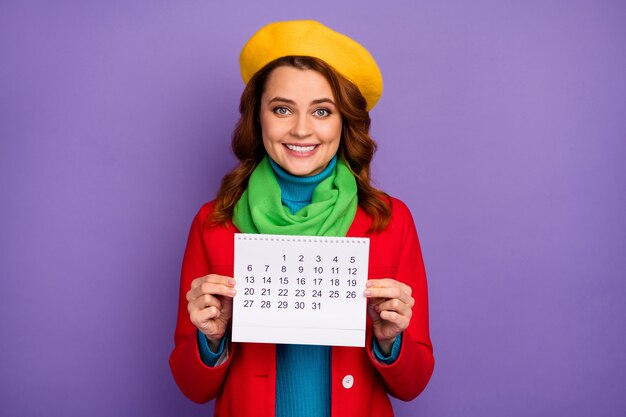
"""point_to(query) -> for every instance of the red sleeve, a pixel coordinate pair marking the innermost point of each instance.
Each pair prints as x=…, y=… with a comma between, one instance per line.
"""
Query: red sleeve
x=407, y=377
x=197, y=381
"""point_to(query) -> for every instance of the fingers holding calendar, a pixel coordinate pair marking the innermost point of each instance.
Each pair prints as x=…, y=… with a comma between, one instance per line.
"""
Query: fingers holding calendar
x=390, y=307
x=210, y=305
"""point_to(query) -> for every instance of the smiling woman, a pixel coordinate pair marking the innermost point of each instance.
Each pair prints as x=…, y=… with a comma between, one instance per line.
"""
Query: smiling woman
x=300, y=124
x=356, y=147
x=304, y=153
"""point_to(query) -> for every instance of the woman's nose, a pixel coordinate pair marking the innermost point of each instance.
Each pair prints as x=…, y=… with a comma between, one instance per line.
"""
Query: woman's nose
x=301, y=127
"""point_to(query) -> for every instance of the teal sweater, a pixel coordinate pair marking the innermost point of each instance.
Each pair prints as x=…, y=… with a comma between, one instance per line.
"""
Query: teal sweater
x=302, y=371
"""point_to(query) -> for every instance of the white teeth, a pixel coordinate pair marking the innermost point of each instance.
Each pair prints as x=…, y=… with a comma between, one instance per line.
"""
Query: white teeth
x=300, y=148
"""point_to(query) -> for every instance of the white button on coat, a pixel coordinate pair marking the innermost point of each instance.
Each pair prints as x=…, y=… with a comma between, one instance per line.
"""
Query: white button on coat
x=348, y=381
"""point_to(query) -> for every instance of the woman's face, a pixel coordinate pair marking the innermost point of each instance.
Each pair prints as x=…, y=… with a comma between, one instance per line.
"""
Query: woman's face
x=300, y=123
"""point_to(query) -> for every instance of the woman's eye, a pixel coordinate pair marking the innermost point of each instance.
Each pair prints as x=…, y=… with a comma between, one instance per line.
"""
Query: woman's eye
x=282, y=111
x=321, y=112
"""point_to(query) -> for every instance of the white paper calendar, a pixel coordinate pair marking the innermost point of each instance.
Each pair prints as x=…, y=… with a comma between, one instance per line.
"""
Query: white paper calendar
x=300, y=289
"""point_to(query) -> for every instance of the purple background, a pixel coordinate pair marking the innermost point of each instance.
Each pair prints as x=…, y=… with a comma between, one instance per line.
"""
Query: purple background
x=502, y=126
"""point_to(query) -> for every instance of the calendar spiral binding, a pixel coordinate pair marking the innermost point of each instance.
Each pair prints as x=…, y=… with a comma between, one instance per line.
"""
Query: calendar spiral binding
x=301, y=239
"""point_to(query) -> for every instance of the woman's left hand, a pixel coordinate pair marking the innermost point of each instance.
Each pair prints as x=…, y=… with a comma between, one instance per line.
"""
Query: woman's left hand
x=390, y=308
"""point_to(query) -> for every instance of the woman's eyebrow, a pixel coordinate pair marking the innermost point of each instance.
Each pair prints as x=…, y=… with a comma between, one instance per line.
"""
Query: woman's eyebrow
x=289, y=101
x=282, y=100
x=323, y=100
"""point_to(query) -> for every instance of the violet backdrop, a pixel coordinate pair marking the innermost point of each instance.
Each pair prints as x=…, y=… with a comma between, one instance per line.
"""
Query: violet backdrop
x=502, y=126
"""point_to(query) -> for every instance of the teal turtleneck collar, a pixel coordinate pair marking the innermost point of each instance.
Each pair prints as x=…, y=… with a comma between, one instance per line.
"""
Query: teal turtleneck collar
x=297, y=192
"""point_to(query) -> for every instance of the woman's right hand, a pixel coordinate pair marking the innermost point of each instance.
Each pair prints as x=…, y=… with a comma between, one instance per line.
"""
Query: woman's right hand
x=210, y=305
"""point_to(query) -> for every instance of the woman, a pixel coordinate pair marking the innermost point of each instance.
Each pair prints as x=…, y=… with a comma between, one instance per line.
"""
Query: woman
x=304, y=152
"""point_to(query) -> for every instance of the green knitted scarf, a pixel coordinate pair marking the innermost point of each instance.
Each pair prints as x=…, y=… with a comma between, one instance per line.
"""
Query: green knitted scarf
x=331, y=212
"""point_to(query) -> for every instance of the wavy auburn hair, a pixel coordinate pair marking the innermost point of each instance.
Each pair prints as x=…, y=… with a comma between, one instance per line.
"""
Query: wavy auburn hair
x=356, y=147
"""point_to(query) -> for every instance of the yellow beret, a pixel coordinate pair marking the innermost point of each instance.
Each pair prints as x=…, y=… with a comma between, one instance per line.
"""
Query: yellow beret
x=311, y=38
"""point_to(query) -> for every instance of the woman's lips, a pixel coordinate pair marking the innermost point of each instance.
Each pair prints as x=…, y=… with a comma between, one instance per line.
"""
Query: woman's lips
x=300, y=150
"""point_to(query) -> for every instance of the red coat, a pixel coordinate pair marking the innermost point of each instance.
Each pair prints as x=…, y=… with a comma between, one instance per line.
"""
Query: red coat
x=245, y=385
